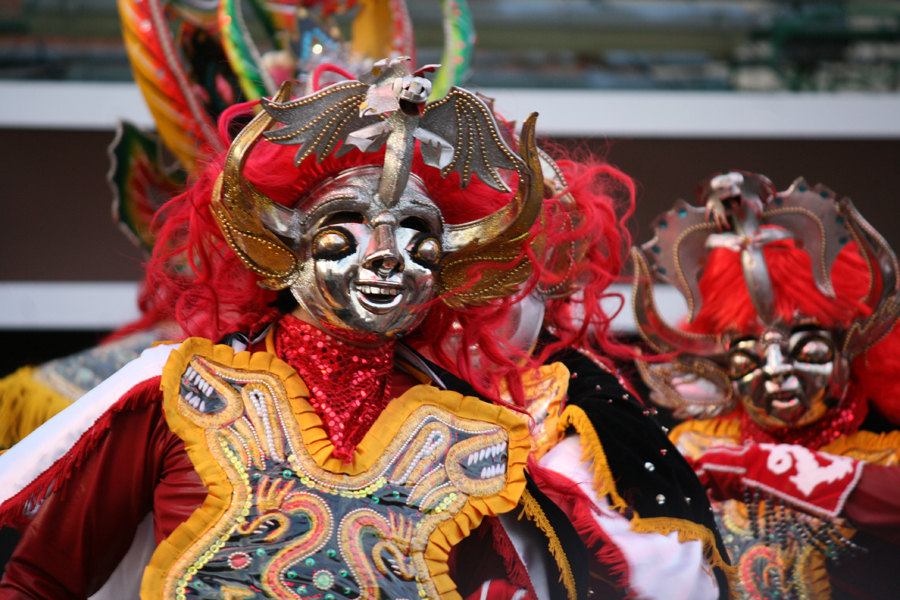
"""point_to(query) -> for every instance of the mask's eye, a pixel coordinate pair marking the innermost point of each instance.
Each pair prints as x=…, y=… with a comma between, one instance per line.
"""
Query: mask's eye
x=416, y=223
x=427, y=252
x=814, y=350
x=333, y=243
x=740, y=364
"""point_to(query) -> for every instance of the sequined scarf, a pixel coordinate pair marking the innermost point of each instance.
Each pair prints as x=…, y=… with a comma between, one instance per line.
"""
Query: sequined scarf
x=846, y=420
x=349, y=385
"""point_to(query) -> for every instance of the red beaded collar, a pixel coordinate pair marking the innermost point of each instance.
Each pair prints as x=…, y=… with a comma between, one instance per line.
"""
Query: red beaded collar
x=349, y=385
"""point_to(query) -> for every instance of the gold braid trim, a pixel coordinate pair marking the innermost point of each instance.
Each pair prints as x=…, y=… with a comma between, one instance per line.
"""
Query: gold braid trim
x=593, y=454
x=533, y=511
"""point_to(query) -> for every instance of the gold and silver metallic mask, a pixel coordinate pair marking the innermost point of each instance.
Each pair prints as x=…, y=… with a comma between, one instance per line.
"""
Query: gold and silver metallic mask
x=795, y=372
x=788, y=377
x=367, y=250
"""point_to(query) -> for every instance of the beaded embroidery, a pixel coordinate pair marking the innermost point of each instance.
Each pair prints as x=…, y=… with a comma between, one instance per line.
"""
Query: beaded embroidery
x=779, y=552
x=294, y=529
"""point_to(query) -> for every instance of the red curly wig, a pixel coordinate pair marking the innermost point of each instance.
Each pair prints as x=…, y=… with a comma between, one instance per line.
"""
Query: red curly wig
x=727, y=307
x=195, y=279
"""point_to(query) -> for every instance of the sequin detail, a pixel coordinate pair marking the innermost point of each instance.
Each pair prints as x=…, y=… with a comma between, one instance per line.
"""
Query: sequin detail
x=349, y=385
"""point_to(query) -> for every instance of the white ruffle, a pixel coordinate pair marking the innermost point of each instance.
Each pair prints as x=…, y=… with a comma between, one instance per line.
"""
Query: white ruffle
x=659, y=566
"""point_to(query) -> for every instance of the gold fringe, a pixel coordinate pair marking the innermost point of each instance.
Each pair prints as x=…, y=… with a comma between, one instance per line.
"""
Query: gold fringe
x=533, y=511
x=593, y=454
x=25, y=405
x=689, y=531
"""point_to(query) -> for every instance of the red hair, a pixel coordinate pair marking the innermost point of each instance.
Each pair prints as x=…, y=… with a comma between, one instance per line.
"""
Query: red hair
x=727, y=307
x=195, y=279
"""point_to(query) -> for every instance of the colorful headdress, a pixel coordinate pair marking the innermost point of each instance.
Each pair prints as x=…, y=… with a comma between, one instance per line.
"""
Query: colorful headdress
x=743, y=213
x=389, y=108
x=193, y=59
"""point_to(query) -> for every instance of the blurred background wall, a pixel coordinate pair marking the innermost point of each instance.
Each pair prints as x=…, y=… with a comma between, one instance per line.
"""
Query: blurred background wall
x=671, y=92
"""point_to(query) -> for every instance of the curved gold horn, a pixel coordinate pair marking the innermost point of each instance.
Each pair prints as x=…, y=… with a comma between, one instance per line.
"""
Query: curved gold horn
x=237, y=206
x=884, y=292
x=661, y=336
x=497, y=238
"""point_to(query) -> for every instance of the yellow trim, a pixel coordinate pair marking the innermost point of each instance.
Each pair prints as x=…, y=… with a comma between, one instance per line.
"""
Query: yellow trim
x=383, y=431
x=533, y=510
x=604, y=485
x=874, y=448
x=25, y=405
x=593, y=454
x=545, y=389
x=720, y=428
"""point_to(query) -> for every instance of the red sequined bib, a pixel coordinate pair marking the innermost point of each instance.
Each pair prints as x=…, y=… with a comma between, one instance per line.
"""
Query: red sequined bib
x=349, y=385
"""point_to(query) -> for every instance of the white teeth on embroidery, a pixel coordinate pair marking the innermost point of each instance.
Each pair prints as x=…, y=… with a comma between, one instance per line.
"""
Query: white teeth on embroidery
x=202, y=407
x=471, y=460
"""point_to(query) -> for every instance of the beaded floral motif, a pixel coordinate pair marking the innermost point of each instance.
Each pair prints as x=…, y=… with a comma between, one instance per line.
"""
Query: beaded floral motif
x=296, y=530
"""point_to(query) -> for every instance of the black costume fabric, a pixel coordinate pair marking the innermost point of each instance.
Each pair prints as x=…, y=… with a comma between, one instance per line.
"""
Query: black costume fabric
x=650, y=473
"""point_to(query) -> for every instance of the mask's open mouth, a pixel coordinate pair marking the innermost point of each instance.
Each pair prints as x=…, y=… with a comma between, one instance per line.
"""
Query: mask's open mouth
x=786, y=405
x=379, y=297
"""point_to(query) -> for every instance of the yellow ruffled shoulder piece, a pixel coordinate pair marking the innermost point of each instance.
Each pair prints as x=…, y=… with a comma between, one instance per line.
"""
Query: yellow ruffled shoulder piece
x=383, y=431
x=25, y=405
x=604, y=486
x=545, y=389
x=874, y=448
x=693, y=438
x=717, y=428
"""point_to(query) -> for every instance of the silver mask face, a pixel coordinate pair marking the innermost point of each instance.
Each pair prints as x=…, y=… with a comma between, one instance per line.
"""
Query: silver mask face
x=788, y=378
x=368, y=268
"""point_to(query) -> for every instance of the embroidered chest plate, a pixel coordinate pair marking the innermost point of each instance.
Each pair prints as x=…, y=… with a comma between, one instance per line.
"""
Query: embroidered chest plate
x=294, y=526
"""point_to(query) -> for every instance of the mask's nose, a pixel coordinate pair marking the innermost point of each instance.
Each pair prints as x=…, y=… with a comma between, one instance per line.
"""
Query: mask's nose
x=382, y=256
x=776, y=367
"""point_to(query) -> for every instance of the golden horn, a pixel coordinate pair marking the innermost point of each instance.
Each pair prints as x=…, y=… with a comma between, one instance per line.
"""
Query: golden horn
x=236, y=206
x=517, y=217
x=661, y=336
x=497, y=238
